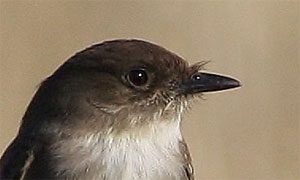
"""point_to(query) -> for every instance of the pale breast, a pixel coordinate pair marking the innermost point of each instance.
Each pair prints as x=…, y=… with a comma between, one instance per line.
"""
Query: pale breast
x=152, y=153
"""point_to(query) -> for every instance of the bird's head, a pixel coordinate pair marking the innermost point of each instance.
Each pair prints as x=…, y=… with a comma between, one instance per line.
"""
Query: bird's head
x=128, y=83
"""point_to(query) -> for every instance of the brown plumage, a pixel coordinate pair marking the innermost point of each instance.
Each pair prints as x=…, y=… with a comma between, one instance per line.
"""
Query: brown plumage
x=112, y=111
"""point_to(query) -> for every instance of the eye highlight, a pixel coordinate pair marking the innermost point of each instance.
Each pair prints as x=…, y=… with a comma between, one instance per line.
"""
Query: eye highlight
x=137, y=77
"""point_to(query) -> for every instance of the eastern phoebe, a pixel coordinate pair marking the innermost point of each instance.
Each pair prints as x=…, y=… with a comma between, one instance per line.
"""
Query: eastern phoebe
x=113, y=112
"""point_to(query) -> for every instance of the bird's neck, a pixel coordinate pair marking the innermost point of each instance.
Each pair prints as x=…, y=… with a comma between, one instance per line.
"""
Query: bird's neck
x=147, y=152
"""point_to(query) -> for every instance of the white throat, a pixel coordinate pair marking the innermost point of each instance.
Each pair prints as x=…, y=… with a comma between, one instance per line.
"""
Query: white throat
x=152, y=153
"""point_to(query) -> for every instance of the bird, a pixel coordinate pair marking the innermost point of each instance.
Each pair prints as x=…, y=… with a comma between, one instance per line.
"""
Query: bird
x=112, y=111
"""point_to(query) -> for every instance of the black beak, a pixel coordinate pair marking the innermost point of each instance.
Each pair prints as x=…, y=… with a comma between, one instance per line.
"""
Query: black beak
x=207, y=82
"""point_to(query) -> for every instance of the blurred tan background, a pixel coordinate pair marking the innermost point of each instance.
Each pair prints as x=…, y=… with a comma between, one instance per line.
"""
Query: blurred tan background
x=249, y=133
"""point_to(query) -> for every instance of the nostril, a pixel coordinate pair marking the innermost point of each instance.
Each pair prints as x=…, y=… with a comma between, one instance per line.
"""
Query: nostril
x=196, y=77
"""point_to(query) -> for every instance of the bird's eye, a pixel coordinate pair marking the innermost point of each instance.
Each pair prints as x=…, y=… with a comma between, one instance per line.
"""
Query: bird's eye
x=137, y=77
x=196, y=76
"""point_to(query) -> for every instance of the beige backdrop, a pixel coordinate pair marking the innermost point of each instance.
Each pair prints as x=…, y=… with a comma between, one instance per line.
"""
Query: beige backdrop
x=250, y=133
